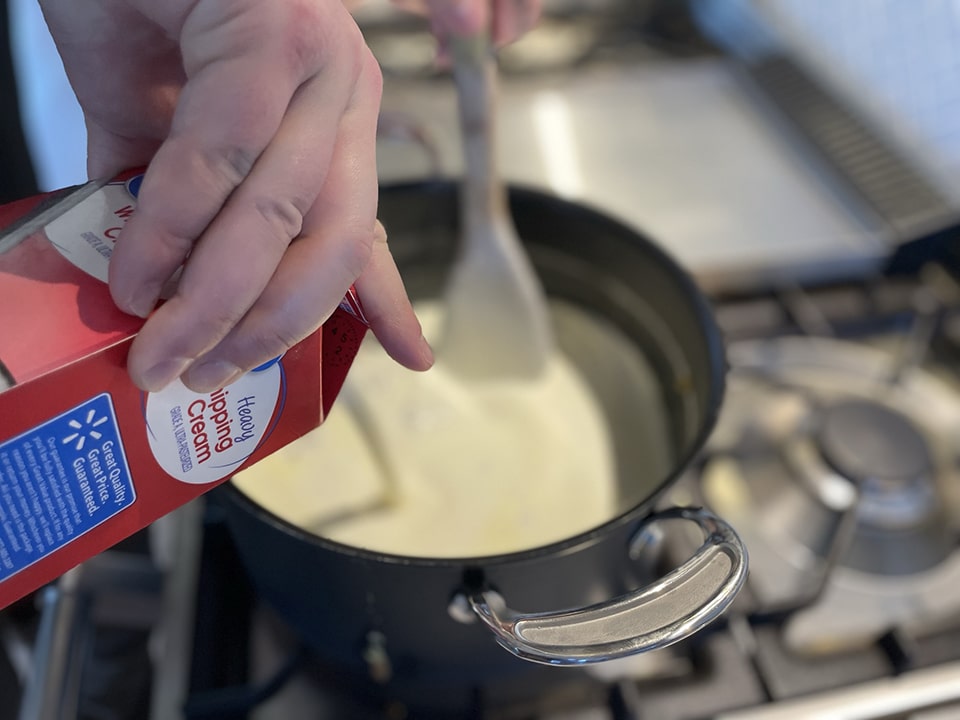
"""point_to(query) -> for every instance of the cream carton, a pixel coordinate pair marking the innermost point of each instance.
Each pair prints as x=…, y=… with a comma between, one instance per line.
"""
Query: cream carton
x=86, y=458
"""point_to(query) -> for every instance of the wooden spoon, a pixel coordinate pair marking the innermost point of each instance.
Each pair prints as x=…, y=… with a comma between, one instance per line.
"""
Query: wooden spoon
x=497, y=324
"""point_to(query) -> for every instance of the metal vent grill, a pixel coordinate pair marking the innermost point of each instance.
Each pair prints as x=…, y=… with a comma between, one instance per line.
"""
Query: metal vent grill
x=886, y=180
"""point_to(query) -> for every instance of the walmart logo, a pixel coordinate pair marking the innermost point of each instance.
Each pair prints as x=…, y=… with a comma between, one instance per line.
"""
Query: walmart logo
x=84, y=429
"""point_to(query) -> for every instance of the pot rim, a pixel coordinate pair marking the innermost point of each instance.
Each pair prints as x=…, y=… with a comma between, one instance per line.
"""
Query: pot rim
x=716, y=388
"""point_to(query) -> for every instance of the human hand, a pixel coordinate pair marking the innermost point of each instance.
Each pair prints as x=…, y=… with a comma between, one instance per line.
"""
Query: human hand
x=258, y=121
x=507, y=19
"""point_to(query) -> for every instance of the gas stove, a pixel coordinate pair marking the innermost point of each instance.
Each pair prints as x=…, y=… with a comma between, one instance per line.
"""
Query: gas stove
x=835, y=457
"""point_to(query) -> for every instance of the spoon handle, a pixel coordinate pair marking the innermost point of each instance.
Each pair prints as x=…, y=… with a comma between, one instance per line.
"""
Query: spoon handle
x=497, y=325
x=484, y=198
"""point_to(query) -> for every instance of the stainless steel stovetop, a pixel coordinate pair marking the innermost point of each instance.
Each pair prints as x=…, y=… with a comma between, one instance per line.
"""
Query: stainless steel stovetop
x=836, y=457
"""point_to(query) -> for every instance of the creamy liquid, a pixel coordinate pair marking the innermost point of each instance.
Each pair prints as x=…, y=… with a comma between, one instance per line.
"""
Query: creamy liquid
x=425, y=464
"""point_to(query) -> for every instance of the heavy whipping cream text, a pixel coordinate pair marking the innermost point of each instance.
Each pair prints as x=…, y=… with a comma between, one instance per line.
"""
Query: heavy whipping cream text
x=122, y=214
x=201, y=438
x=246, y=419
x=212, y=424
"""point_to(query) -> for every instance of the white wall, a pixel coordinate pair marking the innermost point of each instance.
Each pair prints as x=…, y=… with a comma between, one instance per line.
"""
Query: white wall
x=51, y=116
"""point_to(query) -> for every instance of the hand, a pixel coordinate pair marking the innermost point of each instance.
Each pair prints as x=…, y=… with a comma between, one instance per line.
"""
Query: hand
x=258, y=120
x=507, y=19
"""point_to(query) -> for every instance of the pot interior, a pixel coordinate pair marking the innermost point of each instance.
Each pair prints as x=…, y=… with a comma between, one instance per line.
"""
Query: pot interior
x=628, y=320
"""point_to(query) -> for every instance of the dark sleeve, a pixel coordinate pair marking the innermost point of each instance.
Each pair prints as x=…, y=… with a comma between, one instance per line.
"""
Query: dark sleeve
x=17, y=177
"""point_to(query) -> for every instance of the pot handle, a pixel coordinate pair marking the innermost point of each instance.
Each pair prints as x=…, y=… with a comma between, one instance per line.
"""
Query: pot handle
x=669, y=610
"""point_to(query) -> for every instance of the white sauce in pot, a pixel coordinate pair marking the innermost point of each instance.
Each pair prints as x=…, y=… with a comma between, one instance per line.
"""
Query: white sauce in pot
x=425, y=464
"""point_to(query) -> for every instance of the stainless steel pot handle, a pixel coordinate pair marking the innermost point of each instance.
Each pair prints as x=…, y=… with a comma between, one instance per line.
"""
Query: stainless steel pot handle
x=671, y=609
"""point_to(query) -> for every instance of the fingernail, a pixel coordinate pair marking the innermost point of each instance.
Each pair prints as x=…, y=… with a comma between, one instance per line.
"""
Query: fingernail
x=210, y=376
x=143, y=302
x=426, y=352
x=156, y=378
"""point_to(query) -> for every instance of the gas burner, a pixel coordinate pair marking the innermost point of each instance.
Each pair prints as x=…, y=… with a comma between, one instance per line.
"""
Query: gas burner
x=871, y=444
x=899, y=528
x=839, y=470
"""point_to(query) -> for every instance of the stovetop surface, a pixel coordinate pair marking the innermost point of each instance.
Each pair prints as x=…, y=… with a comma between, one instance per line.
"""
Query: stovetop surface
x=788, y=643
x=755, y=660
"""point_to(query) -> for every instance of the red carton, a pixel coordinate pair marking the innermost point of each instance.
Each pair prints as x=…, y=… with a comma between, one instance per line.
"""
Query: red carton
x=86, y=458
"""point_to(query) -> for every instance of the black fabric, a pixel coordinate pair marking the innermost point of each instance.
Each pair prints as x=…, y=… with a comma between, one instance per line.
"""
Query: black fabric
x=9, y=690
x=17, y=177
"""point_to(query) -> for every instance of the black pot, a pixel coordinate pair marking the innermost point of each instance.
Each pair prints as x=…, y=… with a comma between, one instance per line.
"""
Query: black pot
x=644, y=336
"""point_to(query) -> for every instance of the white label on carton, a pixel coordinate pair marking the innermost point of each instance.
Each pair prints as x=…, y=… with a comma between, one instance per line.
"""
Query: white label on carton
x=202, y=438
x=87, y=233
